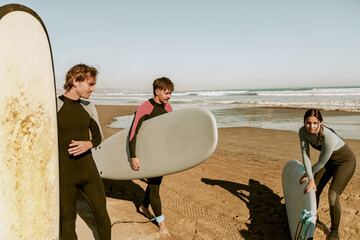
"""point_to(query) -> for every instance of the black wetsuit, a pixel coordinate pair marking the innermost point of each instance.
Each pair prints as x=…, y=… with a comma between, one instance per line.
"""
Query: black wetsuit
x=336, y=161
x=75, y=119
x=147, y=110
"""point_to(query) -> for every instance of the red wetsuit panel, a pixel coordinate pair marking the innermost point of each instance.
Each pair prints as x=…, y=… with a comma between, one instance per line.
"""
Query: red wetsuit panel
x=147, y=110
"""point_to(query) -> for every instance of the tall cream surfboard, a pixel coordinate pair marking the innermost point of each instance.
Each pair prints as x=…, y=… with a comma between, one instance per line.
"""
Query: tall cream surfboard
x=295, y=199
x=29, y=196
x=166, y=144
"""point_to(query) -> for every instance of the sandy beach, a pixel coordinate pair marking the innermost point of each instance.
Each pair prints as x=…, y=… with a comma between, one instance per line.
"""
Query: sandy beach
x=235, y=194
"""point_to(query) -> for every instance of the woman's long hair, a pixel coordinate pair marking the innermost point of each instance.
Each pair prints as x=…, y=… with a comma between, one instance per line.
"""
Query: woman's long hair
x=315, y=113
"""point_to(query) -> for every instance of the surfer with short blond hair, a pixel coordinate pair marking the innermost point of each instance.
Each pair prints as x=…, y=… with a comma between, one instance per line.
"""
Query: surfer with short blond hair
x=77, y=167
x=162, y=89
x=336, y=161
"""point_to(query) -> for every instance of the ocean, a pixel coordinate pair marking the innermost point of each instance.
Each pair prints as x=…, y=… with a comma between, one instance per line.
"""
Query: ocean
x=270, y=108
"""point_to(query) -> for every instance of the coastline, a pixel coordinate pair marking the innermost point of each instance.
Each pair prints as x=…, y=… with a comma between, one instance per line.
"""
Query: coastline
x=235, y=194
x=107, y=113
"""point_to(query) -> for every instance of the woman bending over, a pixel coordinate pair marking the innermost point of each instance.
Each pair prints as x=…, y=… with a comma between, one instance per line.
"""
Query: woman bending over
x=336, y=161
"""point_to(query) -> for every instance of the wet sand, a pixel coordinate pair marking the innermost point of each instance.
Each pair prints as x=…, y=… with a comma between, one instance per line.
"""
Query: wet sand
x=235, y=194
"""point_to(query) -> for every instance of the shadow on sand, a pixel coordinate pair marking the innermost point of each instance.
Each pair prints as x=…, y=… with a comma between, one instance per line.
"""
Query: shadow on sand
x=123, y=190
x=268, y=218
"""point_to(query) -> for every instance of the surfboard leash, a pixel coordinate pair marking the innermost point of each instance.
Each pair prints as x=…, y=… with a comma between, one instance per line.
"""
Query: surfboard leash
x=298, y=231
x=129, y=221
x=305, y=220
x=323, y=227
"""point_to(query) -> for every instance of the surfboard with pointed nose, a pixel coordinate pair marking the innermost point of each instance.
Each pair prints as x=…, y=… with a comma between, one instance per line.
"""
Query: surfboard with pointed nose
x=29, y=196
x=166, y=144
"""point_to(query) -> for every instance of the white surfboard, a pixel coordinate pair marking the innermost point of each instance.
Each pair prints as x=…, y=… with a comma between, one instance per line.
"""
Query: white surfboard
x=29, y=196
x=166, y=144
x=295, y=199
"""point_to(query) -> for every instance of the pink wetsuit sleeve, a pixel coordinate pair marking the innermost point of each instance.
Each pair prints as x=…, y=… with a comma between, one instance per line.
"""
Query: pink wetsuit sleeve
x=168, y=108
x=144, y=109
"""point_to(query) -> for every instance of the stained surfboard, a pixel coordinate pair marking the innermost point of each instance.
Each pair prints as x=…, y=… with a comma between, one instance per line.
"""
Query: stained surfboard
x=295, y=199
x=166, y=144
x=29, y=179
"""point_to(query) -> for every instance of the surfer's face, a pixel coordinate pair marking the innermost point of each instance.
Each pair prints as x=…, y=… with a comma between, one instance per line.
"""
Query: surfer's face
x=163, y=95
x=85, y=88
x=312, y=124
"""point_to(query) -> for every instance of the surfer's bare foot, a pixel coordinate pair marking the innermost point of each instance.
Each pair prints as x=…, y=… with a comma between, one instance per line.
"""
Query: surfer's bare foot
x=145, y=211
x=163, y=230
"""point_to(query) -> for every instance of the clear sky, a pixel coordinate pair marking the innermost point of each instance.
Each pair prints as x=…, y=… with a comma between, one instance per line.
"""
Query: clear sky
x=206, y=44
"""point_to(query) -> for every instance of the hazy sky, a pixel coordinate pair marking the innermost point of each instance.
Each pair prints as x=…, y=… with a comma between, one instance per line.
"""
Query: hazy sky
x=206, y=44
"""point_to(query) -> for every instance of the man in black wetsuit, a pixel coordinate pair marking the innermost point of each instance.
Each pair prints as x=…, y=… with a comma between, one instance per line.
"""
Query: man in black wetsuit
x=162, y=89
x=77, y=167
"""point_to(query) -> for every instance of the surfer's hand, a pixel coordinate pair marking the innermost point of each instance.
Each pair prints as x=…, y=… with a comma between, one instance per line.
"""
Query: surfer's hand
x=309, y=186
x=135, y=164
x=303, y=179
x=79, y=147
